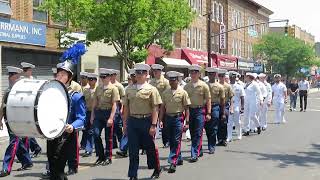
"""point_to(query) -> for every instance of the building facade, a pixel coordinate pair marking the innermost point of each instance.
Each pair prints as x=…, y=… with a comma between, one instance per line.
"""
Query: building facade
x=296, y=32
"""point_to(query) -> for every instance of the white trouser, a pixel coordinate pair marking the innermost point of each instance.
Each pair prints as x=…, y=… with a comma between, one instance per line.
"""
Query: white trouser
x=188, y=135
x=263, y=114
x=234, y=119
x=279, y=109
x=250, y=114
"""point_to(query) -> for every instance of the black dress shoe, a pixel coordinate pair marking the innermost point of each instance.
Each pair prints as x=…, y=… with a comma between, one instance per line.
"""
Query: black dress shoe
x=156, y=174
x=246, y=133
x=166, y=145
x=263, y=129
x=180, y=163
x=36, y=153
x=106, y=162
x=122, y=154
x=259, y=130
x=143, y=152
x=193, y=159
x=87, y=154
x=4, y=173
x=133, y=178
x=25, y=167
x=98, y=162
x=72, y=172
x=46, y=174
x=301, y=110
x=172, y=168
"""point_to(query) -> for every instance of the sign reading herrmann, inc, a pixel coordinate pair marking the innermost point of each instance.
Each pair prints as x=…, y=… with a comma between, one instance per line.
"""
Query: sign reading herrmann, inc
x=22, y=32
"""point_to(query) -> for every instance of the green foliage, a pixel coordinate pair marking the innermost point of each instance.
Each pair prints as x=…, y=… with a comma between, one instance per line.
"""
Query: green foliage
x=131, y=26
x=284, y=54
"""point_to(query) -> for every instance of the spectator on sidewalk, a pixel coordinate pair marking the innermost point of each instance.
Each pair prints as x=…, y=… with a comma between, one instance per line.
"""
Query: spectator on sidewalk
x=304, y=87
x=293, y=92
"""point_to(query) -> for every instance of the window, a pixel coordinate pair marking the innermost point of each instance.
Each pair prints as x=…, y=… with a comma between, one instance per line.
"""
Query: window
x=239, y=19
x=239, y=48
x=216, y=11
x=220, y=13
x=194, y=38
x=39, y=15
x=199, y=39
x=234, y=47
x=200, y=7
x=189, y=38
x=5, y=8
x=263, y=29
x=213, y=11
x=250, y=51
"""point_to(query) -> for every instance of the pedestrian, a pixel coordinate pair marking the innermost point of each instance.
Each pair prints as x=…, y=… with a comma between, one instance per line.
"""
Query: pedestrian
x=252, y=102
x=200, y=110
x=118, y=123
x=304, y=87
x=16, y=146
x=161, y=83
x=30, y=142
x=293, y=92
x=141, y=107
x=279, y=96
x=224, y=113
x=123, y=149
x=267, y=100
x=60, y=149
x=103, y=113
x=238, y=107
x=175, y=108
x=217, y=103
x=84, y=84
x=88, y=93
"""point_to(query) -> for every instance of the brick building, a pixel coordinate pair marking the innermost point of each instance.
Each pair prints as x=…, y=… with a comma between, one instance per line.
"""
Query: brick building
x=296, y=32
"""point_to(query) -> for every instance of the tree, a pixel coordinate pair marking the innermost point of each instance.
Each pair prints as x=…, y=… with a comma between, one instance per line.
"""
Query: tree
x=284, y=54
x=131, y=26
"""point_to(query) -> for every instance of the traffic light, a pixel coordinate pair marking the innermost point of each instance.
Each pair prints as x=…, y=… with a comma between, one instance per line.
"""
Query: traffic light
x=286, y=30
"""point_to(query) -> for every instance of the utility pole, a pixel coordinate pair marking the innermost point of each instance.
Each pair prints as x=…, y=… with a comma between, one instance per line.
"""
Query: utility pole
x=209, y=38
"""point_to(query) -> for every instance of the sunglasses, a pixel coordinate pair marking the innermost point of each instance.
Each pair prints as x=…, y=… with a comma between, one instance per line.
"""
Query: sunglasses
x=83, y=77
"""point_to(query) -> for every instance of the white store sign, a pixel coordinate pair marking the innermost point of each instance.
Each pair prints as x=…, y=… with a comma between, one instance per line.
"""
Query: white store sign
x=222, y=36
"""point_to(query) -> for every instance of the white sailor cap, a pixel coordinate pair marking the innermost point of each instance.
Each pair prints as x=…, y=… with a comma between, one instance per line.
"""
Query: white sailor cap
x=277, y=76
x=233, y=73
x=142, y=67
x=251, y=74
x=92, y=75
x=104, y=71
x=84, y=74
x=54, y=70
x=157, y=67
x=212, y=70
x=131, y=71
x=194, y=67
x=117, y=72
x=173, y=75
x=255, y=75
x=222, y=71
x=12, y=69
x=262, y=75
x=27, y=65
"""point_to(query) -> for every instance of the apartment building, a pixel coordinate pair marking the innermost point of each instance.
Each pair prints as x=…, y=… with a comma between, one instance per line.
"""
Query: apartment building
x=296, y=32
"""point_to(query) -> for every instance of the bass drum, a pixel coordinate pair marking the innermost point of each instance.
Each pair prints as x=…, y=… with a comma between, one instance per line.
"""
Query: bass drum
x=37, y=108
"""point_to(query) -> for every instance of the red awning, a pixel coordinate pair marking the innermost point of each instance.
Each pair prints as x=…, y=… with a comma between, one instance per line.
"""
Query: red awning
x=225, y=61
x=196, y=57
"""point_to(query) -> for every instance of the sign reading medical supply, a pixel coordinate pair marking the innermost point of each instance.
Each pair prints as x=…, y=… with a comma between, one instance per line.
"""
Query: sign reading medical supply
x=22, y=32
x=222, y=36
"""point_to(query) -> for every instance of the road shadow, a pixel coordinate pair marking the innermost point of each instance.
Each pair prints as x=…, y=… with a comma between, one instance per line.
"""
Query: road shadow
x=36, y=175
x=301, y=159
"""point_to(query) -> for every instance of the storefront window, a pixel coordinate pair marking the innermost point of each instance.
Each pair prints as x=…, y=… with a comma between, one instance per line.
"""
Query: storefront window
x=39, y=15
x=5, y=8
x=189, y=38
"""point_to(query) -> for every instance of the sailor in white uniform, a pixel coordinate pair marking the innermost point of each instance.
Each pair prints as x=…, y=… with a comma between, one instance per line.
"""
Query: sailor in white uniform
x=279, y=96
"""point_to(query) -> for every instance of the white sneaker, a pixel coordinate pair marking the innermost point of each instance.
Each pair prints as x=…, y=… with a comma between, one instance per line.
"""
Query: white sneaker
x=239, y=137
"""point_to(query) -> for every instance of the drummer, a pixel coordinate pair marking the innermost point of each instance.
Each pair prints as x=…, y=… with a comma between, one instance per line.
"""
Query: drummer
x=31, y=141
x=60, y=148
x=16, y=147
x=102, y=115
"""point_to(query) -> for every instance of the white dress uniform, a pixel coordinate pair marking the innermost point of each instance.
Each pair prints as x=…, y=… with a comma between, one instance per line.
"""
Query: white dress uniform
x=264, y=94
x=265, y=108
x=234, y=119
x=251, y=105
x=279, y=89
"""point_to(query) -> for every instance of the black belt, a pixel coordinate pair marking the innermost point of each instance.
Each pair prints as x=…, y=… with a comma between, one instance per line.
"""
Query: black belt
x=196, y=107
x=174, y=115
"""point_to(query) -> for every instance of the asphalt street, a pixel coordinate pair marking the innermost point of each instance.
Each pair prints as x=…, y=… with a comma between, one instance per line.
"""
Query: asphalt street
x=288, y=151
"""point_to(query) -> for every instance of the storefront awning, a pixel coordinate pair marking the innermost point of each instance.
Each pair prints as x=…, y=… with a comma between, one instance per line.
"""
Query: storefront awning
x=196, y=57
x=225, y=61
x=175, y=63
